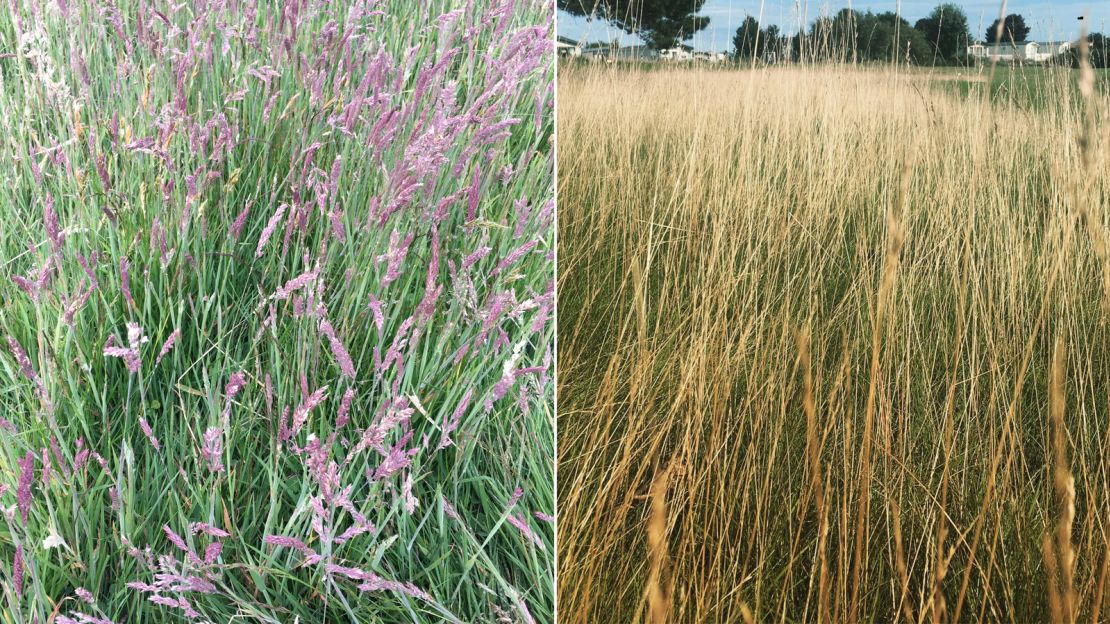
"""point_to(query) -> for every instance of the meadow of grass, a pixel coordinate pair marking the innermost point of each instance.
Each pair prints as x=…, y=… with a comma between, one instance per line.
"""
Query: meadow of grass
x=833, y=347
x=275, y=338
x=1028, y=86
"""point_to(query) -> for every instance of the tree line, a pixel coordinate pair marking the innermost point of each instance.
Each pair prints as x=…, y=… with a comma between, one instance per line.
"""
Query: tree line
x=940, y=38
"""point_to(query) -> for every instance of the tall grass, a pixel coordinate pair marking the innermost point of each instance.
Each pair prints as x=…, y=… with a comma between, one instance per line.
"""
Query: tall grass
x=816, y=310
x=275, y=289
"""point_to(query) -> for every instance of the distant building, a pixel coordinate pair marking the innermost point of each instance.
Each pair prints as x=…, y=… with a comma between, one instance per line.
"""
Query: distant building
x=677, y=53
x=598, y=51
x=636, y=53
x=568, y=48
x=710, y=57
x=612, y=51
x=1052, y=49
x=1024, y=51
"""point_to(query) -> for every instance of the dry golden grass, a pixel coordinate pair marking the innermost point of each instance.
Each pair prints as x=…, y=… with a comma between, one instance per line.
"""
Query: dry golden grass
x=807, y=349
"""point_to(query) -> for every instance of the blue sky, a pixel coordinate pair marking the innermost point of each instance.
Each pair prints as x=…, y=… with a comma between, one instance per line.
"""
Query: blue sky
x=1049, y=20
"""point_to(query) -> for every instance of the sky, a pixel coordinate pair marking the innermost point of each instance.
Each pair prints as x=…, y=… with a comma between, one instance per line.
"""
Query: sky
x=1048, y=20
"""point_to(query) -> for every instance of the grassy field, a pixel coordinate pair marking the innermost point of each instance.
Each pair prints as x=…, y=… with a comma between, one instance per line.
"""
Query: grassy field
x=1032, y=86
x=276, y=288
x=833, y=347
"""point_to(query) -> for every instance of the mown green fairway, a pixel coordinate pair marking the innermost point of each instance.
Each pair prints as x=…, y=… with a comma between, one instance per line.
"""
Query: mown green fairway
x=1033, y=87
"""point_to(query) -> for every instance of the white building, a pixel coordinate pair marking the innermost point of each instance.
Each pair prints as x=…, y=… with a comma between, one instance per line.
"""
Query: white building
x=599, y=51
x=1025, y=51
x=678, y=53
x=636, y=53
x=1052, y=49
x=710, y=57
x=568, y=47
x=612, y=52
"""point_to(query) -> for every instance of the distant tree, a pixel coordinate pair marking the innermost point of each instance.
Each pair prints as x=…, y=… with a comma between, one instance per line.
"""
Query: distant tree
x=821, y=28
x=946, y=32
x=912, y=45
x=876, y=38
x=772, y=40
x=751, y=41
x=1013, y=30
x=792, y=45
x=889, y=37
x=818, y=44
x=660, y=23
x=1098, y=50
x=844, y=35
x=746, y=42
x=851, y=36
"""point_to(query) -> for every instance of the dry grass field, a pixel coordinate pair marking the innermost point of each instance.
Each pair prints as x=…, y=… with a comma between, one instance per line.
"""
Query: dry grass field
x=833, y=347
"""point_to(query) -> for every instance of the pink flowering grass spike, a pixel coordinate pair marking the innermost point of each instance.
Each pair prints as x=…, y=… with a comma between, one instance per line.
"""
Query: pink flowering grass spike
x=17, y=571
x=520, y=522
x=22, y=360
x=207, y=529
x=168, y=345
x=145, y=426
x=240, y=221
x=300, y=415
x=23, y=492
x=452, y=424
x=125, y=280
x=342, y=357
x=50, y=223
x=129, y=354
x=212, y=552
x=268, y=231
x=343, y=417
x=175, y=539
x=212, y=449
x=235, y=383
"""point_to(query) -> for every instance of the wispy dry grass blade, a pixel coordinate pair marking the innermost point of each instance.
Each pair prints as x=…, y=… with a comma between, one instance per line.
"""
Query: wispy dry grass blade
x=658, y=595
x=1060, y=558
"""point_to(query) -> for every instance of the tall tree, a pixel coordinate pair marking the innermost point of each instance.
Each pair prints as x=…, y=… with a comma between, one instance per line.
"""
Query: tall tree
x=835, y=38
x=946, y=31
x=772, y=43
x=1013, y=30
x=660, y=23
x=746, y=42
x=912, y=45
x=1098, y=51
x=888, y=37
x=844, y=35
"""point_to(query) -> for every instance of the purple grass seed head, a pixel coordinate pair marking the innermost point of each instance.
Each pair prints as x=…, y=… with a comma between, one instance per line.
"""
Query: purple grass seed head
x=212, y=449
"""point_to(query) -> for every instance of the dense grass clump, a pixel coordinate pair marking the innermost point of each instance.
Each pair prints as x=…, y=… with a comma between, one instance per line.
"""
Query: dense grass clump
x=833, y=347
x=274, y=311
